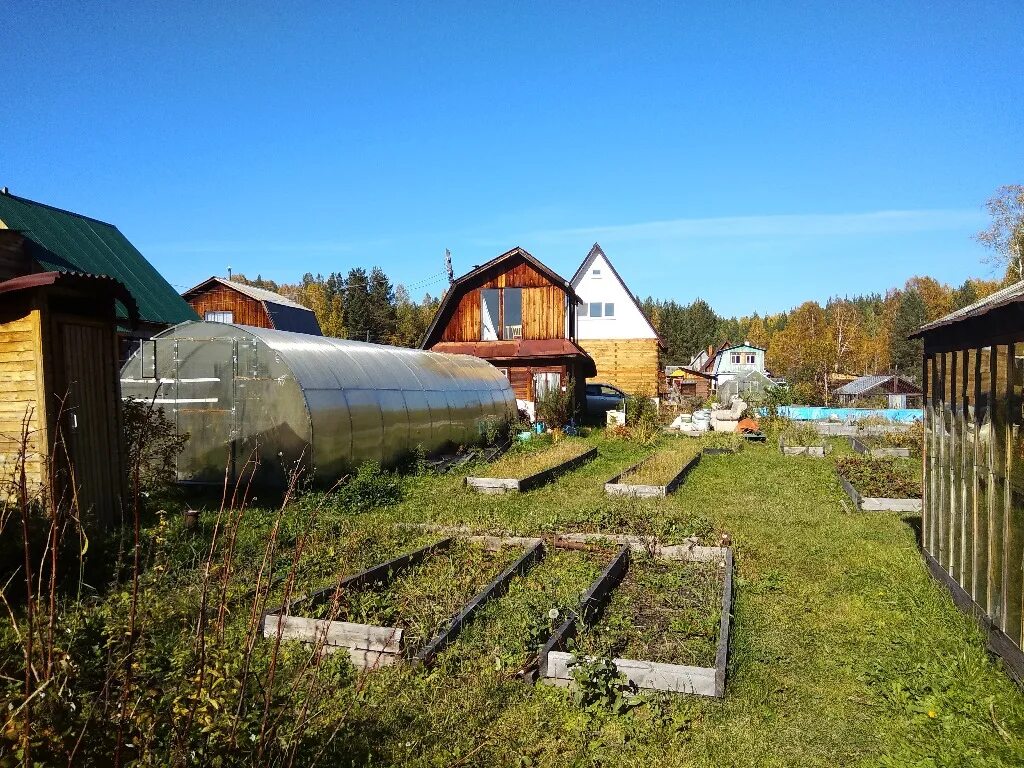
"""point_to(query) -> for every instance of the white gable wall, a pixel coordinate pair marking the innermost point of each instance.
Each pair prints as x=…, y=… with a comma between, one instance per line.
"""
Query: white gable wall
x=628, y=322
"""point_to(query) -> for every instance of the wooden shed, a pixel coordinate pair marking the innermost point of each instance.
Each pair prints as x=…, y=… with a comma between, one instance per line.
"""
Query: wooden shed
x=59, y=371
x=973, y=512
x=520, y=316
x=227, y=301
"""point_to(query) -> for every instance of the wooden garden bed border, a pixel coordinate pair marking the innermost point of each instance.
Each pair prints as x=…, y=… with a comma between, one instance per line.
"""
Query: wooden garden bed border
x=719, y=451
x=817, y=451
x=554, y=662
x=877, y=453
x=370, y=646
x=877, y=503
x=514, y=485
x=614, y=488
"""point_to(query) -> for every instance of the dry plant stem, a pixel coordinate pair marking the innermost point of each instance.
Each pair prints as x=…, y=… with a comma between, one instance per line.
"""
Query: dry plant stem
x=250, y=464
x=29, y=607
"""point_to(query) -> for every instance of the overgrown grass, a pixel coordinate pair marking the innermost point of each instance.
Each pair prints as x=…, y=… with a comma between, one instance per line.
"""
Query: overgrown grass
x=521, y=463
x=662, y=611
x=886, y=478
x=662, y=467
x=844, y=651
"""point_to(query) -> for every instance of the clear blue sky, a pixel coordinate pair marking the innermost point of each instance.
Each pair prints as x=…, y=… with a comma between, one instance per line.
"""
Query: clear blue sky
x=755, y=154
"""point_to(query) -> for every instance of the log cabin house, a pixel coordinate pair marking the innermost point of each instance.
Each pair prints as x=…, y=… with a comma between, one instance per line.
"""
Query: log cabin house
x=60, y=414
x=520, y=316
x=226, y=301
x=61, y=241
x=613, y=328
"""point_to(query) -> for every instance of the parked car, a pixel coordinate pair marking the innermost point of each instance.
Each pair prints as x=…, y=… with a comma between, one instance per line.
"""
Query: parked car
x=604, y=397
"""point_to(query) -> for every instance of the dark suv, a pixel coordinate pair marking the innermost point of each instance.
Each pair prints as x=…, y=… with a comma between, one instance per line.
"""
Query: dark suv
x=603, y=397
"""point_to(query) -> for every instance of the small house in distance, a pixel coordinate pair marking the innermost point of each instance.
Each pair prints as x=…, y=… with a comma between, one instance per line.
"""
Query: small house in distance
x=613, y=329
x=225, y=301
x=61, y=241
x=889, y=390
x=687, y=382
x=744, y=362
x=973, y=512
x=520, y=316
x=60, y=413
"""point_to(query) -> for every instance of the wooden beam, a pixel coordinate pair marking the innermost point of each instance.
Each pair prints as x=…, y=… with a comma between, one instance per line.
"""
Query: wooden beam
x=365, y=637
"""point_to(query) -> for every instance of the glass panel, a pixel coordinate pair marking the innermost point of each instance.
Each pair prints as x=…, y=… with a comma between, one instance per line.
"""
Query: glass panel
x=581, y=310
x=489, y=314
x=595, y=309
x=609, y=310
x=513, y=298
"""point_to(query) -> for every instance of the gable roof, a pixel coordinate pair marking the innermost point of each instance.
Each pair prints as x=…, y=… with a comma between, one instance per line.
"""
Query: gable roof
x=865, y=384
x=596, y=251
x=260, y=294
x=454, y=292
x=63, y=241
x=1002, y=297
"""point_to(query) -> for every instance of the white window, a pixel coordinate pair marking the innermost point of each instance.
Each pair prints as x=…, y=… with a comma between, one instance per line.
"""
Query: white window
x=750, y=358
x=504, y=372
x=220, y=317
x=595, y=308
x=735, y=358
x=609, y=310
x=595, y=272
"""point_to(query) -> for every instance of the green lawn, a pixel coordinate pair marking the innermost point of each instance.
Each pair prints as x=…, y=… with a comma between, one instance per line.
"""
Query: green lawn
x=844, y=652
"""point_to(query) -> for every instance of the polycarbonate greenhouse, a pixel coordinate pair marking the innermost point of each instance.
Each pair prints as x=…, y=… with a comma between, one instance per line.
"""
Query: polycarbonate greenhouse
x=320, y=403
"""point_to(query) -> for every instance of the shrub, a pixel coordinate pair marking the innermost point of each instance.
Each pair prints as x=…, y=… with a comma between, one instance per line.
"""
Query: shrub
x=369, y=488
x=555, y=406
x=151, y=444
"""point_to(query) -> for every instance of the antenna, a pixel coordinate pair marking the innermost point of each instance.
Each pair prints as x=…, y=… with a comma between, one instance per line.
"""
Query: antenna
x=448, y=266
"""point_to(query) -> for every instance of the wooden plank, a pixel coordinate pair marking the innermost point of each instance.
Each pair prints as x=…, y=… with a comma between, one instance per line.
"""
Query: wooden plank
x=875, y=504
x=446, y=636
x=995, y=495
x=967, y=473
x=980, y=591
x=649, y=675
x=724, y=627
x=492, y=485
x=541, y=478
x=336, y=633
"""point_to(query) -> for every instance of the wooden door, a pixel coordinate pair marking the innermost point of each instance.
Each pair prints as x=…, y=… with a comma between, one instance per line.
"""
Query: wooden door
x=86, y=402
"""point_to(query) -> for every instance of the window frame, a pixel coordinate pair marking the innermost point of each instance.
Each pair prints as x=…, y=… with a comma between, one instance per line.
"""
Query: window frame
x=218, y=315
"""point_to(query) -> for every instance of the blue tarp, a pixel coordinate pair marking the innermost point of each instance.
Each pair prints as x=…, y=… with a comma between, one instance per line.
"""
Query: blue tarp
x=813, y=413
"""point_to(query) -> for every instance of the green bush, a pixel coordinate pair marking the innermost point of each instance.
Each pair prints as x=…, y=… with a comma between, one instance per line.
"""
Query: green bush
x=151, y=445
x=555, y=406
x=370, y=487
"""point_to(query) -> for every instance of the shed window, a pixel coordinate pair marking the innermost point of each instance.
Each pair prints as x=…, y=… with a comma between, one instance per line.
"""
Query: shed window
x=595, y=309
x=220, y=317
x=489, y=314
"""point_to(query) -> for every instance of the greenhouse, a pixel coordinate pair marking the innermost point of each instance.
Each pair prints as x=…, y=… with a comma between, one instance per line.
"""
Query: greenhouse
x=324, y=405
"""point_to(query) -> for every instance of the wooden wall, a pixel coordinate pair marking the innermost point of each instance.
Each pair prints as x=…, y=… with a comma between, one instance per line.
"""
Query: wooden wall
x=629, y=364
x=543, y=305
x=21, y=379
x=220, y=298
x=973, y=519
x=13, y=259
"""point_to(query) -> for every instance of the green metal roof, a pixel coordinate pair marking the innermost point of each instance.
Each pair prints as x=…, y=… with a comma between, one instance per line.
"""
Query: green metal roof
x=63, y=241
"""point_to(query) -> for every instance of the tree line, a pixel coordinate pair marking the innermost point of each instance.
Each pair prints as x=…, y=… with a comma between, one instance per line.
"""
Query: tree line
x=359, y=305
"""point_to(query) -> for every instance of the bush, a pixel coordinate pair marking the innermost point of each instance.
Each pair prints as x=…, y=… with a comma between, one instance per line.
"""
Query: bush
x=151, y=445
x=555, y=406
x=369, y=488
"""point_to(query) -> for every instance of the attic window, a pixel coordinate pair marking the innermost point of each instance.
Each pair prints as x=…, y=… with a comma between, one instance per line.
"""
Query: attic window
x=595, y=309
x=582, y=310
x=609, y=310
x=595, y=272
x=220, y=317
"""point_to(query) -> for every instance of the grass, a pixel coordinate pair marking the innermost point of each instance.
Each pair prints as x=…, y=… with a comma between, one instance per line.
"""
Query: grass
x=422, y=597
x=800, y=433
x=886, y=478
x=844, y=650
x=662, y=467
x=662, y=611
x=521, y=462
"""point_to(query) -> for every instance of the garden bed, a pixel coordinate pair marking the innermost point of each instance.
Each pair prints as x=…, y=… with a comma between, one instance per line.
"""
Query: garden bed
x=666, y=617
x=419, y=605
x=657, y=475
x=524, y=470
x=798, y=439
x=722, y=443
x=880, y=485
x=881, y=446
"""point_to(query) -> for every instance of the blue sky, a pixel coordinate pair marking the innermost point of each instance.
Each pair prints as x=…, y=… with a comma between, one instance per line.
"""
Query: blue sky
x=755, y=154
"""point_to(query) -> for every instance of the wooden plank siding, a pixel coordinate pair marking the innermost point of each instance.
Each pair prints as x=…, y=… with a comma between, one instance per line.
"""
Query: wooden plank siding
x=22, y=382
x=629, y=364
x=219, y=298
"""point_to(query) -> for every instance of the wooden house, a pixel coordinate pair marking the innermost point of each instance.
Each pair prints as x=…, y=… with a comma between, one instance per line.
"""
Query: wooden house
x=225, y=301
x=59, y=368
x=62, y=241
x=687, y=382
x=973, y=496
x=613, y=329
x=519, y=315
